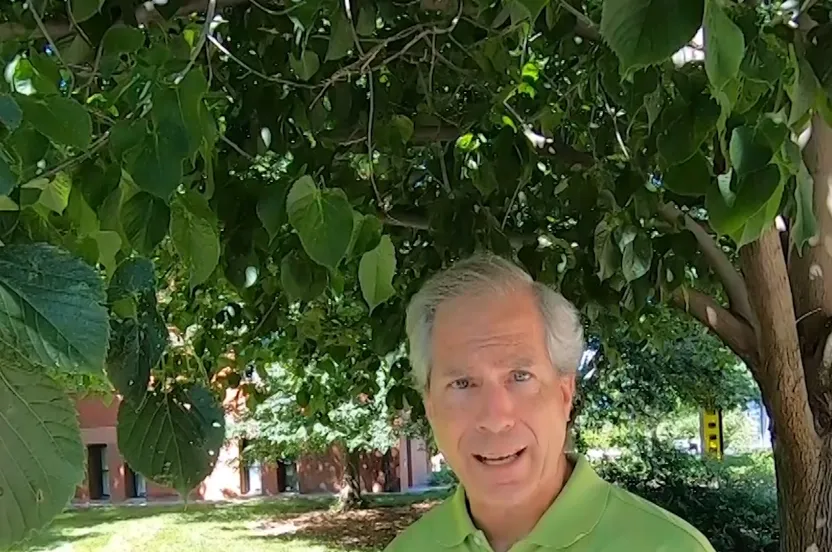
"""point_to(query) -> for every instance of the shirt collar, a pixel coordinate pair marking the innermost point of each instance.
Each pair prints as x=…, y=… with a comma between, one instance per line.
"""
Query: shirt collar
x=454, y=524
x=573, y=515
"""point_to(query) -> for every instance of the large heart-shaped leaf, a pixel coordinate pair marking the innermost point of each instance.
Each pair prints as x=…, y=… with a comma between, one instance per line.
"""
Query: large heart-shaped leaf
x=748, y=195
x=193, y=229
x=158, y=166
x=271, y=208
x=376, y=271
x=146, y=219
x=647, y=32
x=51, y=308
x=60, y=119
x=340, y=38
x=725, y=45
x=302, y=279
x=306, y=66
x=690, y=178
x=85, y=9
x=137, y=341
x=172, y=437
x=8, y=180
x=323, y=220
x=10, y=113
x=41, y=454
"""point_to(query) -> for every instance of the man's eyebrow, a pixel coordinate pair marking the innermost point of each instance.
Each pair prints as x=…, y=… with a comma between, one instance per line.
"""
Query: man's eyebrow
x=521, y=364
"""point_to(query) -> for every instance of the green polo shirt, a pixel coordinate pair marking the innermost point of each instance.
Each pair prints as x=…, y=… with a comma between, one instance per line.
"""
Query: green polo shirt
x=589, y=515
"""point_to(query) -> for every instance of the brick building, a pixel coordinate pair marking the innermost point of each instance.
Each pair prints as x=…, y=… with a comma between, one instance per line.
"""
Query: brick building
x=109, y=478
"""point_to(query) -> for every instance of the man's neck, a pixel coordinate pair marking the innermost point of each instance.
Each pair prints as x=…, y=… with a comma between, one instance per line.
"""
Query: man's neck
x=506, y=526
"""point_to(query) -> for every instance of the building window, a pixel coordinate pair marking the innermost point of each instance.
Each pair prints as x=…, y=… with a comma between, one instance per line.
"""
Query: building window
x=98, y=472
x=287, y=476
x=135, y=483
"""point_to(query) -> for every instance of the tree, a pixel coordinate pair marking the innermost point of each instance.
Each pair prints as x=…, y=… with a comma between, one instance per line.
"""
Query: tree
x=676, y=370
x=279, y=427
x=316, y=154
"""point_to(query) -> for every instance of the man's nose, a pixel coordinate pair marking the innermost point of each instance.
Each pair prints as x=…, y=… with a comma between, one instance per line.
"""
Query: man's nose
x=496, y=412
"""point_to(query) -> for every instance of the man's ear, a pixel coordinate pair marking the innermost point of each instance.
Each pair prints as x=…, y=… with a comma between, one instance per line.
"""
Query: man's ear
x=567, y=389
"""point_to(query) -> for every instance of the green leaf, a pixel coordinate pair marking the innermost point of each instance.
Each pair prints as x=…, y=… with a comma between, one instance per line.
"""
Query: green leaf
x=62, y=120
x=607, y=254
x=178, y=110
x=685, y=127
x=7, y=204
x=146, y=219
x=534, y=7
x=271, y=208
x=136, y=346
x=805, y=224
x=121, y=39
x=366, y=24
x=109, y=244
x=322, y=219
x=376, y=271
x=367, y=233
x=340, y=38
x=637, y=256
x=8, y=180
x=10, y=113
x=647, y=32
x=195, y=236
x=193, y=426
x=803, y=90
x=42, y=456
x=302, y=279
x=305, y=67
x=85, y=9
x=51, y=308
x=761, y=220
x=158, y=167
x=752, y=192
x=725, y=45
x=749, y=151
x=54, y=194
x=404, y=127
x=691, y=178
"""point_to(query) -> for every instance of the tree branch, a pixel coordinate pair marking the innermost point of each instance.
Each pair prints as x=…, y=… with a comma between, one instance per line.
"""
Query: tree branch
x=719, y=262
x=585, y=28
x=735, y=333
x=60, y=29
x=780, y=370
x=427, y=134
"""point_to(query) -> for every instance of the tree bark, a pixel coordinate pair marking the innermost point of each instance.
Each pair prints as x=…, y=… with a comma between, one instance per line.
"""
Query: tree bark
x=792, y=300
x=350, y=496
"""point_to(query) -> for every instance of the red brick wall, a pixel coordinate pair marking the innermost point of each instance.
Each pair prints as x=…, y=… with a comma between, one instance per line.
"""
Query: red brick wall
x=316, y=473
x=324, y=472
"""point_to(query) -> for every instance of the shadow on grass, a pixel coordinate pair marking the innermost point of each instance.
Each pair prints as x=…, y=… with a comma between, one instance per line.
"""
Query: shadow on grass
x=367, y=530
x=287, y=519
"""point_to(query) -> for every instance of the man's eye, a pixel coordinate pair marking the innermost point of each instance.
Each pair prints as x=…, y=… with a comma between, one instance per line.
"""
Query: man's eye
x=521, y=375
x=461, y=383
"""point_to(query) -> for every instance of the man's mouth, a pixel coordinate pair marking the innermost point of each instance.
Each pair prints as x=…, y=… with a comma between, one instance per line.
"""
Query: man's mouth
x=495, y=460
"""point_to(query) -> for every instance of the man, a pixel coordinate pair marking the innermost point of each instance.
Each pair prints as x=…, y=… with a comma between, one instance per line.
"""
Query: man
x=495, y=355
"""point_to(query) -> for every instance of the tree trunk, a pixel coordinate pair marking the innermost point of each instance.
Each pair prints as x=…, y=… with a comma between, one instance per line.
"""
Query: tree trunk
x=791, y=295
x=350, y=496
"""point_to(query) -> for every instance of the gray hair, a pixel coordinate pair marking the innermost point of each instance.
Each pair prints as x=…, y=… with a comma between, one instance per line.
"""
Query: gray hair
x=485, y=272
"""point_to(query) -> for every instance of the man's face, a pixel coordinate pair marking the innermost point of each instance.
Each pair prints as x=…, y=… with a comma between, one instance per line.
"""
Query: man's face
x=498, y=407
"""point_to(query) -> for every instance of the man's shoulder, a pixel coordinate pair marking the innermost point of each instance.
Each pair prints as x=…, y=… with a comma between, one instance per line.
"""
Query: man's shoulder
x=422, y=532
x=649, y=522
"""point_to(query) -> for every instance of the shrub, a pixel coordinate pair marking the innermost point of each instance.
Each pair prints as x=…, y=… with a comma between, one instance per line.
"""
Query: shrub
x=445, y=477
x=733, y=503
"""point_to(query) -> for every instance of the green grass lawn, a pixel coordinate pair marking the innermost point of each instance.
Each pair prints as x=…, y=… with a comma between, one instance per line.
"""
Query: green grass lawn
x=277, y=525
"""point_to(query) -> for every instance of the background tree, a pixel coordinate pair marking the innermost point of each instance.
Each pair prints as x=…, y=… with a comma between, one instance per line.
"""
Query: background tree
x=279, y=427
x=318, y=150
